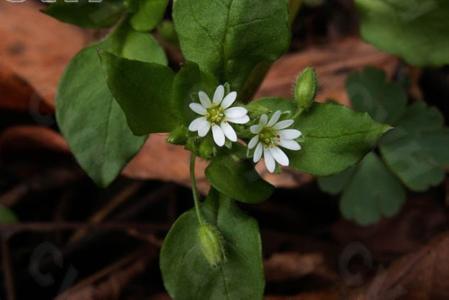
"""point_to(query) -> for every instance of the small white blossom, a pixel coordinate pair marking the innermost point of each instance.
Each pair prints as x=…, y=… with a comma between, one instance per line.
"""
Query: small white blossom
x=217, y=114
x=270, y=135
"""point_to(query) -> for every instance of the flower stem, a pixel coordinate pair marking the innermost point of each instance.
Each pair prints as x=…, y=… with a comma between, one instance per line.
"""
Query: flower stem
x=195, y=189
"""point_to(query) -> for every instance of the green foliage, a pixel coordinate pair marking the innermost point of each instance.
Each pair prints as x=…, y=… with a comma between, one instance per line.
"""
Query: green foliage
x=143, y=91
x=414, y=152
x=148, y=14
x=371, y=193
x=370, y=92
x=417, y=150
x=233, y=40
x=334, y=138
x=186, y=272
x=85, y=13
x=89, y=117
x=237, y=179
x=417, y=31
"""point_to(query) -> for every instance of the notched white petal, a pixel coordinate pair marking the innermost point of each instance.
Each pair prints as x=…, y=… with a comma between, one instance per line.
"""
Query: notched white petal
x=269, y=160
x=204, y=129
x=236, y=112
x=258, y=153
x=263, y=120
x=290, y=134
x=204, y=99
x=242, y=120
x=198, y=108
x=197, y=123
x=280, y=156
x=229, y=100
x=289, y=144
x=218, y=135
x=274, y=118
x=253, y=142
x=255, y=129
x=283, y=124
x=229, y=132
x=219, y=94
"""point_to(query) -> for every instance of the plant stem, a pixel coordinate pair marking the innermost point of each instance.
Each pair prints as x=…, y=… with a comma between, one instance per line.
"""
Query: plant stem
x=294, y=6
x=195, y=190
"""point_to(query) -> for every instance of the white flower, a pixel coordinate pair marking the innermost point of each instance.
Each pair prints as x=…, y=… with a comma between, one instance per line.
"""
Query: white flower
x=270, y=135
x=217, y=114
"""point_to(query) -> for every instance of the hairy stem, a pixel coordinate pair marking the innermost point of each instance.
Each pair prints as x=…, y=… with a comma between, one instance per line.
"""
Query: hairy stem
x=195, y=189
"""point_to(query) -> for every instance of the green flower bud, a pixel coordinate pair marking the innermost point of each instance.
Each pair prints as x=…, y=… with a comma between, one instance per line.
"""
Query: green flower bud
x=211, y=244
x=306, y=88
x=178, y=136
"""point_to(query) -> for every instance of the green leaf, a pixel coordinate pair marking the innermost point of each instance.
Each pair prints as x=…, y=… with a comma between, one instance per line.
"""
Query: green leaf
x=7, y=216
x=237, y=179
x=148, y=14
x=271, y=104
x=372, y=193
x=186, y=272
x=417, y=31
x=88, y=14
x=417, y=150
x=335, y=184
x=334, y=138
x=233, y=39
x=370, y=92
x=90, y=119
x=143, y=91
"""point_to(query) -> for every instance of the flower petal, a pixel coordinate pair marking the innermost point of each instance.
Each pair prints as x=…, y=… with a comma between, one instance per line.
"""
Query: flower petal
x=283, y=124
x=258, y=153
x=263, y=120
x=269, y=160
x=228, y=131
x=236, y=112
x=279, y=156
x=219, y=94
x=198, y=108
x=253, y=142
x=204, y=99
x=290, y=134
x=242, y=120
x=255, y=129
x=274, y=118
x=204, y=129
x=197, y=123
x=218, y=135
x=229, y=100
x=289, y=144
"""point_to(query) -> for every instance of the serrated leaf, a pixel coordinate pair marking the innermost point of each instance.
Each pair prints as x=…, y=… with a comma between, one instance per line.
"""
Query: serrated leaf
x=237, y=179
x=334, y=138
x=417, y=150
x=186, y=272
x=372, y=193
x=233, y=40
x=148, y=14
x=417, y=31
x=370, y=92
x=90, y=119
x=88, y=14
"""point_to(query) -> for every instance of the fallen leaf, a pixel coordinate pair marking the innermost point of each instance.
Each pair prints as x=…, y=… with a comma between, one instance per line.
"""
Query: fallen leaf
x=36, y=47
x=419, y=275
x=332, y=62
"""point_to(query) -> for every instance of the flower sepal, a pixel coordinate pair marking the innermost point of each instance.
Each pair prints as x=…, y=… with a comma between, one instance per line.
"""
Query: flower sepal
x=178, y=136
